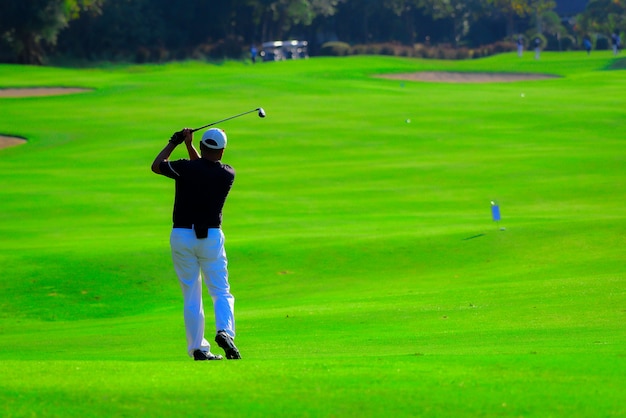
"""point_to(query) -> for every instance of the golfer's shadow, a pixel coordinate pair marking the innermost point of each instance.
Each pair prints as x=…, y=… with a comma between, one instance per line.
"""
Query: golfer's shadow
x=472, y=237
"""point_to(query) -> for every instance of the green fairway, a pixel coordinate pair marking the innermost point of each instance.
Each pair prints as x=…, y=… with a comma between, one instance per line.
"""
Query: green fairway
x=370, y=278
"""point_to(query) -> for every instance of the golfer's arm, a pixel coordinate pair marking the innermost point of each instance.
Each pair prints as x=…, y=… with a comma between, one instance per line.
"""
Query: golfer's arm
x=193, y=152
x=164, y=155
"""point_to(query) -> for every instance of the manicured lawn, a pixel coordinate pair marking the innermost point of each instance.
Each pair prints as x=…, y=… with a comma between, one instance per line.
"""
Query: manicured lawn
x=369, y=276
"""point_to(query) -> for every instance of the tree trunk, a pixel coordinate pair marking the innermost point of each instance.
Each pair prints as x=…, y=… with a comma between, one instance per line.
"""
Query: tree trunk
x=510, y=24
x=28, y=50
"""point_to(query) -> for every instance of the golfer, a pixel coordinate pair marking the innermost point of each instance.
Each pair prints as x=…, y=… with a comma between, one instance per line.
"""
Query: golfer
x=537, y=47
x=616, y=41
x=520, y=46
x=197, y=241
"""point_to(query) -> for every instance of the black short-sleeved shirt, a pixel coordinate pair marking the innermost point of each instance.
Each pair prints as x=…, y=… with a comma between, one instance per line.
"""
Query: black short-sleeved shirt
x=201, y=190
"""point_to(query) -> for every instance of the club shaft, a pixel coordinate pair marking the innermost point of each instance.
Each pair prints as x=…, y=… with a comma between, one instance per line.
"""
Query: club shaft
x=224, y=120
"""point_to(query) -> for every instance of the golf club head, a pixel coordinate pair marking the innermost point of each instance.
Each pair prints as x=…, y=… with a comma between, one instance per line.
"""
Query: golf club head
x=261, y=112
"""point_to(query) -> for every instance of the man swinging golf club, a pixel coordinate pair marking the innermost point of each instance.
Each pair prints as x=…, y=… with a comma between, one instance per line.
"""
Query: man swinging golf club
x=197, y=241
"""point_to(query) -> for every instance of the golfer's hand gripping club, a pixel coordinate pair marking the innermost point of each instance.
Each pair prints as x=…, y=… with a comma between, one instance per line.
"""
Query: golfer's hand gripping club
x=184, y=135
x=177, y=138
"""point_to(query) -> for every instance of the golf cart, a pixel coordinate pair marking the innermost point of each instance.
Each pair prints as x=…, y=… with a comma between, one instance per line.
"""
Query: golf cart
x=284, y=50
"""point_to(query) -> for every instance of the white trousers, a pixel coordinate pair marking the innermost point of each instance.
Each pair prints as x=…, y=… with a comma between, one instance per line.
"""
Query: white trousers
x=195, y=260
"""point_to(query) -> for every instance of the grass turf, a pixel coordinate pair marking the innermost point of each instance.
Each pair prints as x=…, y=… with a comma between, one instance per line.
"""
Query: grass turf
x=369, y=276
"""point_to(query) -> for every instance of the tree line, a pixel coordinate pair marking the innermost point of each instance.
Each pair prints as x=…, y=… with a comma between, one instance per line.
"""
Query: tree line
x=33, y=31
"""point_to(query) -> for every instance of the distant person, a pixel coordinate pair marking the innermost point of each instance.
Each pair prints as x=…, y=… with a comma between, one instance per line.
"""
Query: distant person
x=253, y=54
x=587, y=45
x=520, y=45
x=197, y=241
x=537, y=43
x=616, y=41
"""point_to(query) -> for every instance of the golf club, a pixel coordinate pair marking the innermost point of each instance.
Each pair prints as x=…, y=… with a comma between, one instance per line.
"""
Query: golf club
x=259, y=109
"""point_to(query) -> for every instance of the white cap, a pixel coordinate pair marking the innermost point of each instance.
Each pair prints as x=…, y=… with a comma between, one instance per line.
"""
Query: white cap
x=214, y=138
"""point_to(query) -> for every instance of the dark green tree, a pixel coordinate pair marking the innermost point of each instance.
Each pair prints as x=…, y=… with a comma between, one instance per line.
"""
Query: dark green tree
x=462, y=12
x=510, y=9
x=275, y=18
x=602, y=17
x=26, y=26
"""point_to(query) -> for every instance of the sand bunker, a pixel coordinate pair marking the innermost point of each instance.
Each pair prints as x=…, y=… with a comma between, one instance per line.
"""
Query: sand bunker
x=462, y=77
x=39, y=91
x=10, y=141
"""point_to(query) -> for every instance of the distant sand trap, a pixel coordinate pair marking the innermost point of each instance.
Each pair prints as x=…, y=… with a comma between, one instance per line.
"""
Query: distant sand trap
x=10, y=141
x=39, y=91
x=462, y=77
